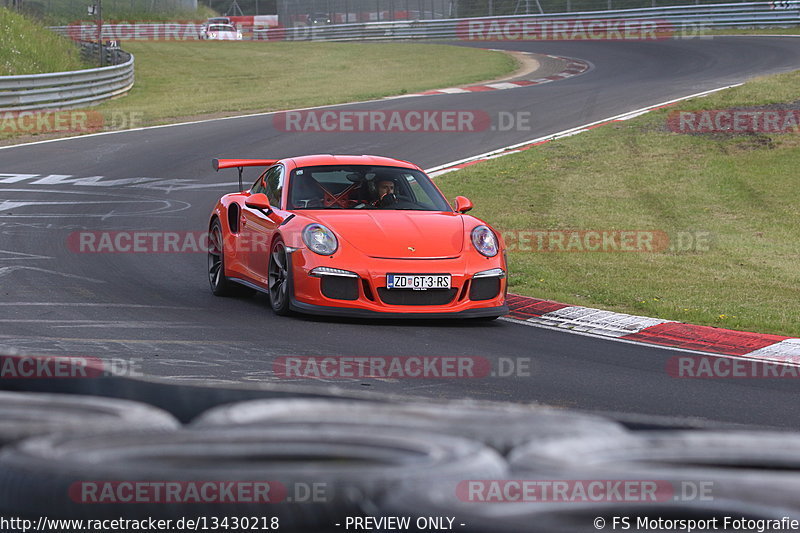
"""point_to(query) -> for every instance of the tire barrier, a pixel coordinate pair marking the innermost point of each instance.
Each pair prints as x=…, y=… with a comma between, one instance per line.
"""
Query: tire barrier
x=759, y=468
x=185, y=401
x=373, y=458
x=88, y=477
x=564, y=516
x=581, y=483
x=24, y=415
x=500, y=426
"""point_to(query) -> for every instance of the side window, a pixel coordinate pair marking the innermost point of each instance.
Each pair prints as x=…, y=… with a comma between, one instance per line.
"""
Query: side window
x=260, y=184
x=274, y=185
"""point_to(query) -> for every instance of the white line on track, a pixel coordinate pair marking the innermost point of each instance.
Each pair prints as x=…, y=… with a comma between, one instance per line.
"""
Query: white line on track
x=7, y=270
x=499, y=152
x=87, y=304
x=16, y=256
x=204, y=121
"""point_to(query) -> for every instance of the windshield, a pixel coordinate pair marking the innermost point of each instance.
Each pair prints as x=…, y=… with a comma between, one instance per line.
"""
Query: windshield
x=221, y=27
x=363, y=187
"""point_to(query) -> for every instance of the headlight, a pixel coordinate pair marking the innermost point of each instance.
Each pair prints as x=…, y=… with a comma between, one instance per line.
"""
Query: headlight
x=320, y=239
x=484, y=241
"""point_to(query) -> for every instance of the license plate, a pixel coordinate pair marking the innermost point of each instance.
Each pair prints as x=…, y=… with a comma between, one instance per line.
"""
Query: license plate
x=418, y=282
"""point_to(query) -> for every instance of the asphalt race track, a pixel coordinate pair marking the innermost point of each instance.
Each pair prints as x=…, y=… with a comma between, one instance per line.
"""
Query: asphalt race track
x=157, y=309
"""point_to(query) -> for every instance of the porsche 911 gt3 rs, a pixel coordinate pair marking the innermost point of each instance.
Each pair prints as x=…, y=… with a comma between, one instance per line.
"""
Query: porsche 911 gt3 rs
x=356, y=236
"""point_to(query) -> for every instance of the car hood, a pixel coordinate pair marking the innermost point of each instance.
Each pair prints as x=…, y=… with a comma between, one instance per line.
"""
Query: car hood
x=397, y=234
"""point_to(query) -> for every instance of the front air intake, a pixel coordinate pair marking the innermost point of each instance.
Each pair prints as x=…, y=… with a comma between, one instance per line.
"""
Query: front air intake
x=412, y=297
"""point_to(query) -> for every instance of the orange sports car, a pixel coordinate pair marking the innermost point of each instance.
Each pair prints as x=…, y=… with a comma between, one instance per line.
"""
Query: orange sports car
x=358, y=236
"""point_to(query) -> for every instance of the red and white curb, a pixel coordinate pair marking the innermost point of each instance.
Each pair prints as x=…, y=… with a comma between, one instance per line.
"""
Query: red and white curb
x=633, y=328
x=775, y=348
x=574, y=67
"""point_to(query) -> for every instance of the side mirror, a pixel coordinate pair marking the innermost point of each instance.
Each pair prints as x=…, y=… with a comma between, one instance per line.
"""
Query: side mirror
x=258, y=201
x=463, y=204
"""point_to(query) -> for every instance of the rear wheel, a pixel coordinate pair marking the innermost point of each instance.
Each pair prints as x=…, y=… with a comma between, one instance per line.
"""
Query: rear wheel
x=220, y=284
x=279, y=275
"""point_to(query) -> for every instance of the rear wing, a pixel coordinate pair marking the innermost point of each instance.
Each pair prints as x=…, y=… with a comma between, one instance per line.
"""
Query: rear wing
x=240, y=164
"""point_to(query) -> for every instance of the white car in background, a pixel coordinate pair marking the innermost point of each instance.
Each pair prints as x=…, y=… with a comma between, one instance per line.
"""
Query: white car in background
x=214, y=20
x=222, y=32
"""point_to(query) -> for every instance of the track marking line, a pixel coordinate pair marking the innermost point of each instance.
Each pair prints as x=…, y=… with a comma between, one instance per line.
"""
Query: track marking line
x=526, y=145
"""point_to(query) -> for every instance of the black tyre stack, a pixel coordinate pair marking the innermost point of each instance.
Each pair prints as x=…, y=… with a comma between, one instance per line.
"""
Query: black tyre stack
x=320, y=461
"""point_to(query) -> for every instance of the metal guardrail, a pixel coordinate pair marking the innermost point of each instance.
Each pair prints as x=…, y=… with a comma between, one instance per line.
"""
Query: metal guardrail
x=112, y=54
x=132, y=31
x=69, y=89
x=686, y=19
x=677, y=19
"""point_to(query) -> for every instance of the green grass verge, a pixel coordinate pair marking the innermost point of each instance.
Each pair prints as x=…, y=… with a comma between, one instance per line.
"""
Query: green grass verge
x=180, y=79
x=29, y=48
x=794, y=30
x=638, y=175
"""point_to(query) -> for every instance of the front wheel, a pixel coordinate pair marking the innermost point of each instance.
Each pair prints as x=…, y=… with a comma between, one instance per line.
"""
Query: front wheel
x=279, y=278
